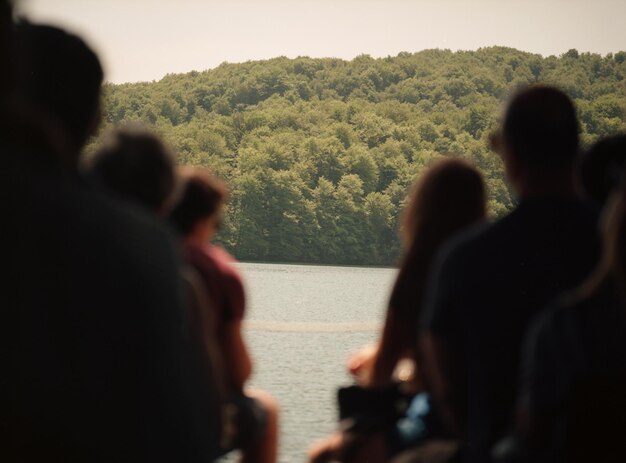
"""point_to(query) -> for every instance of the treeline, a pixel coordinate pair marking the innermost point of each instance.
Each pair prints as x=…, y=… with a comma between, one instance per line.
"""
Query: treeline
x=319, y=153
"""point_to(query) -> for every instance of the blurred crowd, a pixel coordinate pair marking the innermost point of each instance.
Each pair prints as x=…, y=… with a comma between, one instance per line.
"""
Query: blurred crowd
x=121, y=324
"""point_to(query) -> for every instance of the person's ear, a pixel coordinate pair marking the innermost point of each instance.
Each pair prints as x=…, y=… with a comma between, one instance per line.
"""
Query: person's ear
x=512, y=167
x=499, y=146
x=96, y=119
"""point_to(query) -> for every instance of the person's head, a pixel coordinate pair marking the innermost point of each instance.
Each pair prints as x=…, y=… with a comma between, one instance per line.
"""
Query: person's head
x=539, y=138
x=6, y=48
x=447, y=198
x=601, y=167
x=197, y=213
x=59, y=75
x=21, y=124
x=450, y=195
x=137, y=166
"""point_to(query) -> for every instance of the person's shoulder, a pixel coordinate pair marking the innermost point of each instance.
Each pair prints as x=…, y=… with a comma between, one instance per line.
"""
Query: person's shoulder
x=210, y=253
x=552, y=318
x=483, y=238
x=569, y=314
x=223, y=260
x=194, y=251
x=201, y=259
x=584, y=208
x=132, y=224
x=220, y=261
x=221, y=255
x=568, y=211
x=468, y=242
x=581, y=213
x=113, y=231
x=599, y=307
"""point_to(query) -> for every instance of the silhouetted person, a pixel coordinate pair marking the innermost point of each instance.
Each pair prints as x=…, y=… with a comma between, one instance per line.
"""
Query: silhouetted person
x=601, y=168
x=94, y=341
x=20, y=121
x=136, y=166
x=197, y=216
x=490, y=282
x=572, y=404
x=448, y=197
x=61, y=76
x=6, y=49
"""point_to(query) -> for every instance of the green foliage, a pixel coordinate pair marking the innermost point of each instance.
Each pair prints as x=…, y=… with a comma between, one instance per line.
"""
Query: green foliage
x=320, y=153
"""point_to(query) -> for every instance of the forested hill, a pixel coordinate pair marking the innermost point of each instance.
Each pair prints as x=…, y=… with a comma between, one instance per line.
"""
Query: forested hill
x=319, y=153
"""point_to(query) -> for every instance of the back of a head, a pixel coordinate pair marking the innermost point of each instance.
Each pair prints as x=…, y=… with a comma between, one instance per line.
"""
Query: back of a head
x=136, y=166
x=6, y=48
x=201, y=196
x=449, y=196
x=601, y=168
x=21, y=124
x=61, y=76
x=540, y=129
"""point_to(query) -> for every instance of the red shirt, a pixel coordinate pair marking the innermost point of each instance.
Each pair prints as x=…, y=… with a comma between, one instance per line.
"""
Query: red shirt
x=222, y=279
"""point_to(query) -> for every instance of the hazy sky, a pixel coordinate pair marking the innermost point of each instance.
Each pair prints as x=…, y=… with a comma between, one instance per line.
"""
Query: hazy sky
x=146, y=39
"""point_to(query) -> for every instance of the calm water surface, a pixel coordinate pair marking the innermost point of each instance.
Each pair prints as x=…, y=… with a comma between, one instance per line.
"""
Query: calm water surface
x=302, y=323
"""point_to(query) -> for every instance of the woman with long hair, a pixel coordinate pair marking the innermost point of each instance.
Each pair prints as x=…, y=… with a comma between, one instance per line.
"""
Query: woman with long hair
x=447, y=198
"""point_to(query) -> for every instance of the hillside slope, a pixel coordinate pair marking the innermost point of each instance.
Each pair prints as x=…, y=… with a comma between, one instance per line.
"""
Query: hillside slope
x=319, y=153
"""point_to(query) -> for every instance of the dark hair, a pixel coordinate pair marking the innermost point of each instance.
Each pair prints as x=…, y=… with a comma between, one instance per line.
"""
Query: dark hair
x=137, y=166
x=201, y=196
x=612, y=266
x=59, y=74
x=541, y=129
x=448, y=197
x=602, y=166
x=6, y=48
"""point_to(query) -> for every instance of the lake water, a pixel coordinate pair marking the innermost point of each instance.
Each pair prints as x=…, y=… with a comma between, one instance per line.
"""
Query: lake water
x=302, y=323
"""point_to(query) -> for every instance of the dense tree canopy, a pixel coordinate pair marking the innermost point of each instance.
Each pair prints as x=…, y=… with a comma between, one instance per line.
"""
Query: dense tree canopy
x=320, y=153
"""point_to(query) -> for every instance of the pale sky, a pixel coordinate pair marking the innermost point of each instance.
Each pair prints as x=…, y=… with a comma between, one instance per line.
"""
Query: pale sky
x=142, y=40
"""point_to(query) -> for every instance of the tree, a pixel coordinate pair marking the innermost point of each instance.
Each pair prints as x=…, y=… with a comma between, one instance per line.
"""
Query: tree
x=358, y=160
x=320, y=153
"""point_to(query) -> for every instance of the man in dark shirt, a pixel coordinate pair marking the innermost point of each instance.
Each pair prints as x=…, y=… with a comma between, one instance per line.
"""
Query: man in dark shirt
x=490, y=282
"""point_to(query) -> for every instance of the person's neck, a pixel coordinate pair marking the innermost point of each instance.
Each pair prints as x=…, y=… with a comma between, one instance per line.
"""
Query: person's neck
x=199, y=237
x=562, y=186
x=196, y=240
